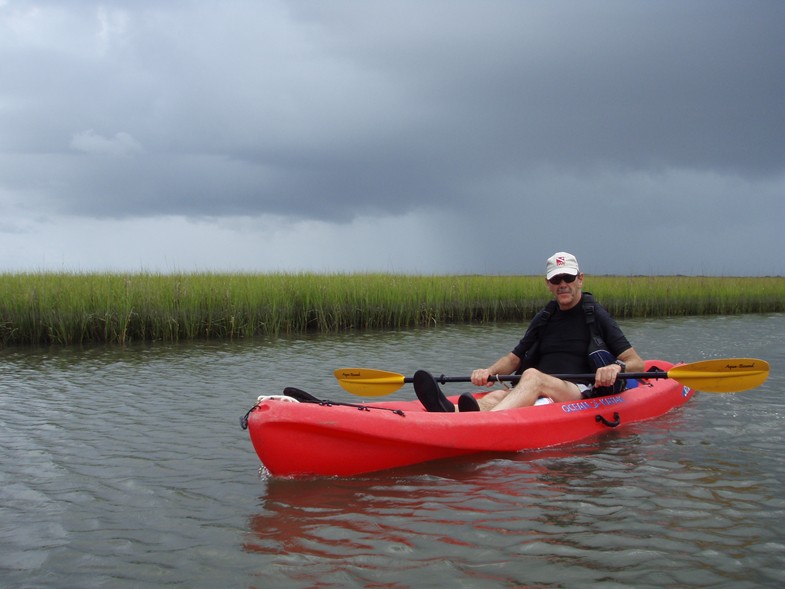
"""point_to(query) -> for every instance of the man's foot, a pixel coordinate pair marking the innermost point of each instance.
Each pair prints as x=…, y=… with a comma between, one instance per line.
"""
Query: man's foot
x=467, y=402
x=300, y=395
x=429, y=394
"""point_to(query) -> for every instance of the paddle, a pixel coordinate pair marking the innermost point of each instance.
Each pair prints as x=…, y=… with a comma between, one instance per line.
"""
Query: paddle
x=723, y=375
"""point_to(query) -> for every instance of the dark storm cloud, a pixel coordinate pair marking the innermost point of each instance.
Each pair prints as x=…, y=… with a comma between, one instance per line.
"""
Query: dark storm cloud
x=326, y=110
x=690, y=84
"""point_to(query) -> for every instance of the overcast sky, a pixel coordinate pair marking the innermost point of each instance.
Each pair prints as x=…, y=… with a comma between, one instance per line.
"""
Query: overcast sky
x=397, y=136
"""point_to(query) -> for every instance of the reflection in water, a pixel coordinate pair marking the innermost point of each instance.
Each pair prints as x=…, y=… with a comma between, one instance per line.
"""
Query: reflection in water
x=483, y=485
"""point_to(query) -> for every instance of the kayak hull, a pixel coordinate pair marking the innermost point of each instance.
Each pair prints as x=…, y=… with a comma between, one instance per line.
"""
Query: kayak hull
x=311, y=439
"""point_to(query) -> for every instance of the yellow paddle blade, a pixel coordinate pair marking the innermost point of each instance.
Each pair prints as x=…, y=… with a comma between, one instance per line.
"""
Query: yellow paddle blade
x=368, y=382
x=724, y=375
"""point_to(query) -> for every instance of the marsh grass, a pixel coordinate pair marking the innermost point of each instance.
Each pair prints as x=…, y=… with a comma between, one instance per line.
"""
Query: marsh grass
x=72, y=308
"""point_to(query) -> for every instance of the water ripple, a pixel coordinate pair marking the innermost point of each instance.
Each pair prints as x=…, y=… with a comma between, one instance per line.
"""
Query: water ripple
x=126, y=468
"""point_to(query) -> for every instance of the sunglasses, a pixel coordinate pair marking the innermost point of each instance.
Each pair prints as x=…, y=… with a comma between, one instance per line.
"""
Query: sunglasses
x=568, y=278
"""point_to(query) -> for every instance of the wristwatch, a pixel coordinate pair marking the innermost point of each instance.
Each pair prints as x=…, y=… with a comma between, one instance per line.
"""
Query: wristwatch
x=622, y=364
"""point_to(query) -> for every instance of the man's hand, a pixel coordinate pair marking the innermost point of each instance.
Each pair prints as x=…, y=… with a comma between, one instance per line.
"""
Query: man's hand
x=606, y=375
x=480, y=377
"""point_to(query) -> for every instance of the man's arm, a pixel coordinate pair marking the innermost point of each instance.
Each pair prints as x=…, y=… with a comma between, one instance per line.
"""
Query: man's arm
x=504, y=365
x=633, y=361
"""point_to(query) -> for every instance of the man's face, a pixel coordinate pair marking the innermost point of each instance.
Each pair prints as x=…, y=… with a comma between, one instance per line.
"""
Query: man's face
x=567, y=294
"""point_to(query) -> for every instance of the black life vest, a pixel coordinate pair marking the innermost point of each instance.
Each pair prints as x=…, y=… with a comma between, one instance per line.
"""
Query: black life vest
x=597, y=350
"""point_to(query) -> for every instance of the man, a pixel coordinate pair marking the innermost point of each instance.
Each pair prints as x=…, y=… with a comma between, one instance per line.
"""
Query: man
x=560, y=340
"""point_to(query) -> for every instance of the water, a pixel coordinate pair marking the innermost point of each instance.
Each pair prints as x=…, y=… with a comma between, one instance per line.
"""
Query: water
x=127, y=468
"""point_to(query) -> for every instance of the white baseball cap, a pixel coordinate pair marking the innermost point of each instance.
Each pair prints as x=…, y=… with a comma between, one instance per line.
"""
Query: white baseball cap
x=561, y=263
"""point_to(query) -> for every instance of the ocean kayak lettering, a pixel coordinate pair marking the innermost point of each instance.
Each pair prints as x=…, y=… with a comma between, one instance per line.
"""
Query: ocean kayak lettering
x=591, y=404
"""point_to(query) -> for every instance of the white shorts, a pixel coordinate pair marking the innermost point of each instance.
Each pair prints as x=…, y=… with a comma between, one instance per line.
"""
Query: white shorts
x=582, y=388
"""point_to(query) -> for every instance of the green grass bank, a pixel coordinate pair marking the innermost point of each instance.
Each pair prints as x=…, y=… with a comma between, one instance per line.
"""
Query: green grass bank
x=74, y=308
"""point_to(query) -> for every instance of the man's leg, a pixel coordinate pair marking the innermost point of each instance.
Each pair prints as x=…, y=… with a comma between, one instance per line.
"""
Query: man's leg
x=532, y=385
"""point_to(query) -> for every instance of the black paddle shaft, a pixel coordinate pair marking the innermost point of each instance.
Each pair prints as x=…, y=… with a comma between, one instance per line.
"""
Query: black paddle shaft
x=509, y=377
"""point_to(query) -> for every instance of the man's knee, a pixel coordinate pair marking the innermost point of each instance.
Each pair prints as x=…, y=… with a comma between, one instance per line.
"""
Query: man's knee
x=531, y=376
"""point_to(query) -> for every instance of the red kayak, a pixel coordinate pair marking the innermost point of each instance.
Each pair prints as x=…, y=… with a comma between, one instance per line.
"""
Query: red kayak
x=295, y=439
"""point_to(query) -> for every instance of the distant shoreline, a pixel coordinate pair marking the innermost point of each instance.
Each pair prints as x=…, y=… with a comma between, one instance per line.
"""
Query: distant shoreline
x=73, y=308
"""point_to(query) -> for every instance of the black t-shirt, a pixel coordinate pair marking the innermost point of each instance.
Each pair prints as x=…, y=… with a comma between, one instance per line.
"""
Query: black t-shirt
x=564, y=340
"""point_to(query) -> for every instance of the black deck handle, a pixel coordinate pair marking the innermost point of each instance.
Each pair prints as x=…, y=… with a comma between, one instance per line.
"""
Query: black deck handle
x=615, y=423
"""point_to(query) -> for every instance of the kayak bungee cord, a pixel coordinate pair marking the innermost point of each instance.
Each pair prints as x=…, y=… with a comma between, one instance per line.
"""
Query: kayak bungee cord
x=294, y=395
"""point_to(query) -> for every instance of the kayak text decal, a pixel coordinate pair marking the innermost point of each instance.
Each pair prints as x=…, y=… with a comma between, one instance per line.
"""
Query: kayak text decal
x=590, y=404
